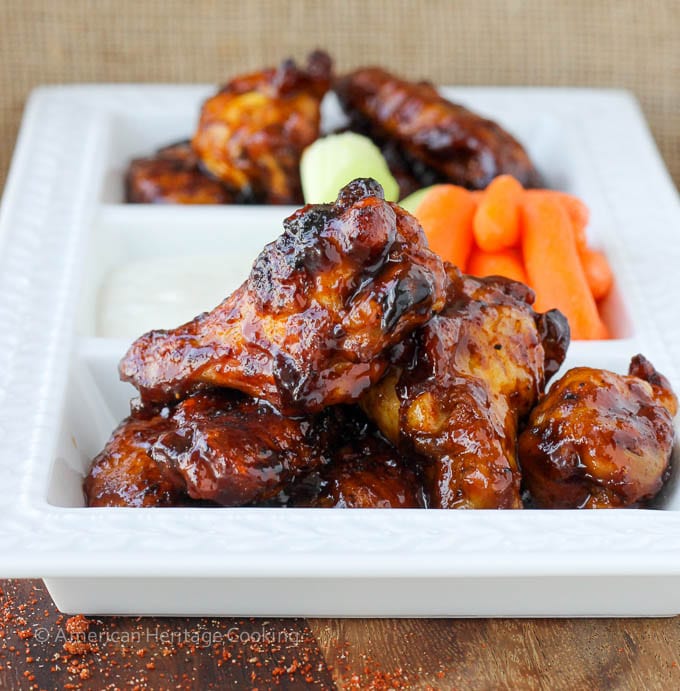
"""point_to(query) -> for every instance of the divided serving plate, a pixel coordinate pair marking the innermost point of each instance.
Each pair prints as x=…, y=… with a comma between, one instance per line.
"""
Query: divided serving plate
x=63, y=228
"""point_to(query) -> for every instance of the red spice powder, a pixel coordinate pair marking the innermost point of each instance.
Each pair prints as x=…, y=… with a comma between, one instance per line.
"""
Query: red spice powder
x=91, y=657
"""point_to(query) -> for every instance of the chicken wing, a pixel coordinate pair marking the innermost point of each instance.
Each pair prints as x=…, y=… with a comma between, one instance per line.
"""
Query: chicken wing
x=216, y=446
x=124, y=474
x=173, y=176
x=252, y=133
x=311, y=325
x=599, y=439
x=364, y=472
x=234, y=450
x=438, y=140
x=456, y=395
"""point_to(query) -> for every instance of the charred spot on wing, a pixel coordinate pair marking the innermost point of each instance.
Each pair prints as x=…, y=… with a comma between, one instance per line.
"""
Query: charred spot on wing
x=282, y=268
x=300, y=246
x=403, y=295
x=305, y=223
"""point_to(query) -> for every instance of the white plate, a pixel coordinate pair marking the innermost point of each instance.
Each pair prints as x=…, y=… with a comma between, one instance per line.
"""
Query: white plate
x=62, y=229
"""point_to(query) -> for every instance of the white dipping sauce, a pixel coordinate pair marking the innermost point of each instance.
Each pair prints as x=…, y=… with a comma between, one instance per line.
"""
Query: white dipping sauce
x=164, y=292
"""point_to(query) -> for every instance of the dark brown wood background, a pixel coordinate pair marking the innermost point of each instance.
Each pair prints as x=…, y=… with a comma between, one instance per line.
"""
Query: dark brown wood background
x=37, y=651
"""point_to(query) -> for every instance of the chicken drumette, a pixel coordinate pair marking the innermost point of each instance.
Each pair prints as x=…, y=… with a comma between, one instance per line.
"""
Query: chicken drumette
x=457, y=392
x=216, y=446
x=426, y=138
x=173, y=176
x=252, y=133
x=312, y=324
x=600, y=439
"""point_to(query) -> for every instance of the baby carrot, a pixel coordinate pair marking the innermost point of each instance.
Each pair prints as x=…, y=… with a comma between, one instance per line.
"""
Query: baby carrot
x=578, y=213
x=598, y=272
x=506, y=263
x=554, y=267
x=496, y=223
x=446, y=216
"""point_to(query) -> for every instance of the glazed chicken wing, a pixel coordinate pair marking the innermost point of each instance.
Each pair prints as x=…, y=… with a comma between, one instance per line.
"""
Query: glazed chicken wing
x=312, y=324
x=364, y=472
x=215, y=446
x=173, y=176
x=456, y=395
x=252, y=133
x=234, y=450
x=599, y=439
x=438, y=140
x=124, y=474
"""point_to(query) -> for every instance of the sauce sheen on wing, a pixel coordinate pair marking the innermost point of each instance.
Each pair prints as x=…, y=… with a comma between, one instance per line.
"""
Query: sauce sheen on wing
x=364, y=471
x=458, y=391
x=599, y=439
x=427, y=139
x=252, y=133
x=173, y=176
x=218, y=447
x=312, y=324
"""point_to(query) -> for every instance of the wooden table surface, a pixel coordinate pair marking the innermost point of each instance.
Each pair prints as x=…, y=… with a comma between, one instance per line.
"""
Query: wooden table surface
x=42, y=649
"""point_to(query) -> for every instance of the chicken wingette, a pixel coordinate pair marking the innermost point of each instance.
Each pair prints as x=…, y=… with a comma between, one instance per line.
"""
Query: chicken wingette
x=252, y=133
x=312, y=324
x=173, y=176
x=216, y=446
x=426, y=138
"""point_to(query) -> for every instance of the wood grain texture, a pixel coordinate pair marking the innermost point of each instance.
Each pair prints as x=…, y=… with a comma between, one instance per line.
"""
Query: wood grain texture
x=600, y=43
x=507, y=653
x=368, y=654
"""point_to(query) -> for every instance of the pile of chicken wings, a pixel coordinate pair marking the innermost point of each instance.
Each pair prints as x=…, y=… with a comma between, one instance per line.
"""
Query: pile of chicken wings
x=251, y=135
x=354, y=368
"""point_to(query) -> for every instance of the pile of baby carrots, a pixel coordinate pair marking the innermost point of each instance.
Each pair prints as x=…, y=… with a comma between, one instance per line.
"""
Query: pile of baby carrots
x=537, y=237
